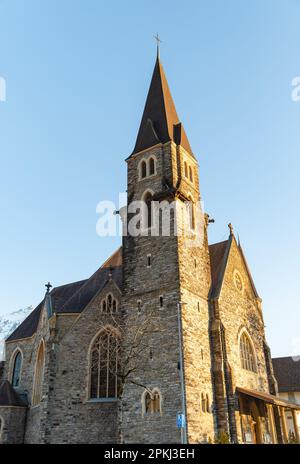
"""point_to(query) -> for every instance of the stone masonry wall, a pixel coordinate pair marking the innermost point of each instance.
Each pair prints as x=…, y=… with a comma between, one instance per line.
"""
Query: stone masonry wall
x=241, y=309
x=12, y=423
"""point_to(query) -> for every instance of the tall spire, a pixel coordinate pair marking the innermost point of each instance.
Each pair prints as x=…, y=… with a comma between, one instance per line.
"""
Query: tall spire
x=160, y=122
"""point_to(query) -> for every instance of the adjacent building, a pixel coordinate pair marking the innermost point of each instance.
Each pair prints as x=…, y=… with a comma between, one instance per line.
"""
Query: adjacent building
x=287, y=373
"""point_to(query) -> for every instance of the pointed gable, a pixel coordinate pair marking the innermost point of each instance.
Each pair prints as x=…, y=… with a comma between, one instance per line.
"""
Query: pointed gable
x=160, y=122
x=219, y=255
x=218, y=259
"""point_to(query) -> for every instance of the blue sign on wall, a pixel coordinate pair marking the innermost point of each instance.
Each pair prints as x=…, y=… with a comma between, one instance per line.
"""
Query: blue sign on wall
x=180, y=421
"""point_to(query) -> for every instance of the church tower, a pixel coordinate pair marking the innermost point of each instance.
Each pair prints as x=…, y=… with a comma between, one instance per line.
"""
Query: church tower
x=166, y=282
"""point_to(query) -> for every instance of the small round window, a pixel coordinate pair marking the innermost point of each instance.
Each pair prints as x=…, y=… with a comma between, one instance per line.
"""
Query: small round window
x=238, y=281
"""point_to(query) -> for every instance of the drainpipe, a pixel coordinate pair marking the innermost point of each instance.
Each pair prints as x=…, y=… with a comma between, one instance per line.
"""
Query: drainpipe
x=184, y=439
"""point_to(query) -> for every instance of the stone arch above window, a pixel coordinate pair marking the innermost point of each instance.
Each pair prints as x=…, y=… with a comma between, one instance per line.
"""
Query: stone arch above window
x=151, y=166
x=151, y=402
x=38, y=374
x=147, y=167
x=109, y=304
x=247, y=351
x=143, y=169
x=105, y=356
x=17, y=359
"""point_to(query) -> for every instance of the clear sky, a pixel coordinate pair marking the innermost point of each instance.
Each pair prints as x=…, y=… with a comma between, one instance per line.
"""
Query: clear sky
x=77, y=74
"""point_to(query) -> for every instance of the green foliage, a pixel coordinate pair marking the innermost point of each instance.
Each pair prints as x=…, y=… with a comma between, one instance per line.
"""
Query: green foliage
x=222, y=438
x=292, y=438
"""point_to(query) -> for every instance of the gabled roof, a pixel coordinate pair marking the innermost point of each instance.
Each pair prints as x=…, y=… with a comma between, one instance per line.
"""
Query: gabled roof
x=59, y=296
x=287, y=373
x=160, y=122
x=9, y=397
x=73, y=297
x=219, y=253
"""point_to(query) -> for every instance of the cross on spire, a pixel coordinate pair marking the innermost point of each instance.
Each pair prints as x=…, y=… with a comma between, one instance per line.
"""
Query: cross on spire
x=48, y=286
x=158, y=41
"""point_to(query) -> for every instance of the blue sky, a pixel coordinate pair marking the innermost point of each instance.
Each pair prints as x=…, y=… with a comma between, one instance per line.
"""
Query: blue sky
x=77, y=74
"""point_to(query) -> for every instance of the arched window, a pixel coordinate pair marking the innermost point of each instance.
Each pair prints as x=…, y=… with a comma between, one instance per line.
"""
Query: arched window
x=105, y=365
x=109, y=304
x=143, y=169
x=185, y=169
x=203, y=402
x=191, y=214
x=247, y=353
x=151, y=166
x=16, y=373
x=152, y=402
x=207, y=403
x=191, y=174
x=148, y=211
x=38, y=375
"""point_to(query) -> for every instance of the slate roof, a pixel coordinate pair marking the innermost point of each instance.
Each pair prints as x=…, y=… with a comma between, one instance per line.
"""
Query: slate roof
x=73, y=297
x=287, y=373
x=218, y=258
x=9, y=397
x=219, y=253
x=160, y=122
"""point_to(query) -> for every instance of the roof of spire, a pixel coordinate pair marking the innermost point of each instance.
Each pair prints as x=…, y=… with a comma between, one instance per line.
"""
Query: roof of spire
x=160, y=122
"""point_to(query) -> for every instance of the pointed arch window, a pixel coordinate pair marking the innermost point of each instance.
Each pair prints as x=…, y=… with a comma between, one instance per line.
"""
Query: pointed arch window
x=109, y=304
x=246, y=353
x=38, y=375
x=191, y=174
x=143, y=169
x=17, y=365
x=105, y=365
x=152, y=402
x=151, y=167
x=185, y=169
x=203, y=402
x=191, y=214
x=147, y=219
x=207, y=403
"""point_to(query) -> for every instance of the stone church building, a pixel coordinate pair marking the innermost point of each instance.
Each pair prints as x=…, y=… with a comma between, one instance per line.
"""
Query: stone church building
x=165, y=342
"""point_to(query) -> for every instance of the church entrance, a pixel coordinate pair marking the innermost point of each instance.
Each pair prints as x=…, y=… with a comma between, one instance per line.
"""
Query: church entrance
x=255, y=423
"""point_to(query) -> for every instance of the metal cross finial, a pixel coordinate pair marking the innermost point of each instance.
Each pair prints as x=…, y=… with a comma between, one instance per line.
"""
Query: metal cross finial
x=158, y=41
x=48, y=286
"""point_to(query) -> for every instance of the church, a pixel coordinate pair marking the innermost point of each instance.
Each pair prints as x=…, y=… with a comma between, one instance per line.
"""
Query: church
x=165, y=342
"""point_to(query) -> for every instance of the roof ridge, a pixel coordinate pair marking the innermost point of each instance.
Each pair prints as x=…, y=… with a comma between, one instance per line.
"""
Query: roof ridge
x=70, y=283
